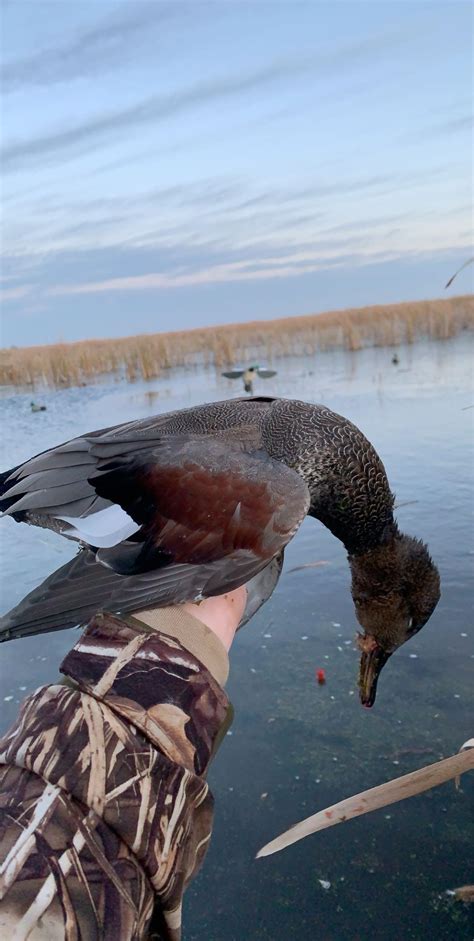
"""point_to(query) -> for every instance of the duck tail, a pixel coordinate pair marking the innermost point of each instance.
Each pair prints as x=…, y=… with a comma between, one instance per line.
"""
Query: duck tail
x=67, y=598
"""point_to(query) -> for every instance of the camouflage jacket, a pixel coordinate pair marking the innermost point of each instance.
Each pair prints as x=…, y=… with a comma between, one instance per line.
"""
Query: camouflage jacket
x=105, y=813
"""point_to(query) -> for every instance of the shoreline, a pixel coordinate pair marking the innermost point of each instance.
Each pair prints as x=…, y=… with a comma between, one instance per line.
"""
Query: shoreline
x=146, y=356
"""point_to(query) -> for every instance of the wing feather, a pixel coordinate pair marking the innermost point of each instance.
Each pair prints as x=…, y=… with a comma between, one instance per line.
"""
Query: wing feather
x=199, y=499
x=78, y=590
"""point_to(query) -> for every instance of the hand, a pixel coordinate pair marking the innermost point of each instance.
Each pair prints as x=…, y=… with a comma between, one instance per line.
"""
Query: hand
x=226, y=613
x=222, y=614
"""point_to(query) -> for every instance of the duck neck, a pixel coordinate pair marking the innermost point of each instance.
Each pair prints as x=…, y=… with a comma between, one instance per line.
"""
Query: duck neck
x=354, y=501
x=346, y=479
x=358, y=531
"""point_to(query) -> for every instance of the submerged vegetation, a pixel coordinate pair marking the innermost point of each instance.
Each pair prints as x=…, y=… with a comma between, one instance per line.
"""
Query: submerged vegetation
x=147, y=355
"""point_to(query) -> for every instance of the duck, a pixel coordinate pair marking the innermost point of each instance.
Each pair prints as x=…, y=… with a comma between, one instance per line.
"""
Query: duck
x=395, y=359
x=248, y=375
x=193, y=503
x=37, y=408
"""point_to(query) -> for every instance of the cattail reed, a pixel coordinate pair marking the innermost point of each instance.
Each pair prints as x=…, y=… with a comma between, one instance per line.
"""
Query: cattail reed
x=146, y=356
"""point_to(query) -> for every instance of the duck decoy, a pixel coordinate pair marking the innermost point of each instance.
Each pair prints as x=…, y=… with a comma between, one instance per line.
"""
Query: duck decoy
x=248, y=375
x=37, y=408
x=193, y=503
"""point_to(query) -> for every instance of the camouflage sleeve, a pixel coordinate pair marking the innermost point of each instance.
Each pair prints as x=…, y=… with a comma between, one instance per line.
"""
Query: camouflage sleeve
x=105, y=813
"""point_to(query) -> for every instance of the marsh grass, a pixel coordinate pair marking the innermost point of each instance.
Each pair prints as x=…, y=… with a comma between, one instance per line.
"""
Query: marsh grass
x=147, y=355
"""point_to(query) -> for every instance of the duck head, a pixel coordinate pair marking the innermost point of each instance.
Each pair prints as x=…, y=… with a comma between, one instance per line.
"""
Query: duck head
x=395, y=589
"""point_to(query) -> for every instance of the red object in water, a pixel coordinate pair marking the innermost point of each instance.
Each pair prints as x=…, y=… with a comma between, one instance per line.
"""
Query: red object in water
x=321, y=677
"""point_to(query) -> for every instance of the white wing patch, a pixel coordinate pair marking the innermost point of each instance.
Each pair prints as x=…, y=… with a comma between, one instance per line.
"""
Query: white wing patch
x=103, y=529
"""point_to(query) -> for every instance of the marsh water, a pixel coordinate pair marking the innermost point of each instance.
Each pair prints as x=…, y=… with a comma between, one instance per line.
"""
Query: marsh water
x=294, y=746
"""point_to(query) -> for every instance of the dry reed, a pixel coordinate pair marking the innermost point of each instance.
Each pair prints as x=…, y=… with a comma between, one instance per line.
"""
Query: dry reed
x=145, y=356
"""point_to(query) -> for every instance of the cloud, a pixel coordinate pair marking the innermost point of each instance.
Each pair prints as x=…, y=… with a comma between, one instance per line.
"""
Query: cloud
x=296, y=261
x=153, y=109
x=99, y=49
x=317, y=190
x=219, y=274
x=204, y=220
x=93, y=132
x=451, y=126
x=14, y=294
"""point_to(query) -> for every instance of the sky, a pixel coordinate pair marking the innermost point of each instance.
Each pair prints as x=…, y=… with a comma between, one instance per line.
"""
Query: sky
x=173, y=165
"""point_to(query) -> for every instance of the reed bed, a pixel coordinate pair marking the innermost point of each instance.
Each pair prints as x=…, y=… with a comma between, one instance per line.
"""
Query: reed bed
x=147, y=355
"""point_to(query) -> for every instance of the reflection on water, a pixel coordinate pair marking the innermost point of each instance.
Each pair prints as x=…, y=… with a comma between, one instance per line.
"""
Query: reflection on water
x=296, y=746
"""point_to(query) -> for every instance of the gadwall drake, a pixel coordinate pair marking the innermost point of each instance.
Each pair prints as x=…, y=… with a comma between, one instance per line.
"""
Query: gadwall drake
x=194, y=503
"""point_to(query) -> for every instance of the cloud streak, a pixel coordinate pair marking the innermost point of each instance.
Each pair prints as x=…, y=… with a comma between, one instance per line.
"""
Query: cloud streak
x=154, y=109
x=302, y=260
x=451, y=126
x=14, y=294
x=99, y=49
x=224, y=219
x=159, y=108
x=227, y=214
x=219, y=274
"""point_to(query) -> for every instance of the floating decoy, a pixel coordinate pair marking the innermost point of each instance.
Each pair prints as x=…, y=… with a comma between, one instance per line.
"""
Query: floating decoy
x=37, y=408
x=194, y=503
x=248, y=375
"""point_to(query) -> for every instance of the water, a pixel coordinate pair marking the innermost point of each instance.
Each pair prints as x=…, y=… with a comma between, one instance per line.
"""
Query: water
x=295, y=746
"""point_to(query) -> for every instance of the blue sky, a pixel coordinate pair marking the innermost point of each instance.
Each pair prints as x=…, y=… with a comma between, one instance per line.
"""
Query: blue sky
x=168, y=165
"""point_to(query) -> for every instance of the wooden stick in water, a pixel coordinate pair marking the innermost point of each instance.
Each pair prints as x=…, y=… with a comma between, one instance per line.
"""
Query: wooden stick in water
x=389, y=793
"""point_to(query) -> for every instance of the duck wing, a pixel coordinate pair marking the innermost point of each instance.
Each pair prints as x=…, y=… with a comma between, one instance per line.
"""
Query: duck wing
x=52, y=484
x=208, y=517
x=198, y=500
x=233, y=373
x=53, y=488
x=265, y=373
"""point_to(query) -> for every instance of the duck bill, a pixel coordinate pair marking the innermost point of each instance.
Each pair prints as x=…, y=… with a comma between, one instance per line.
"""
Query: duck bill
x=371, y=665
